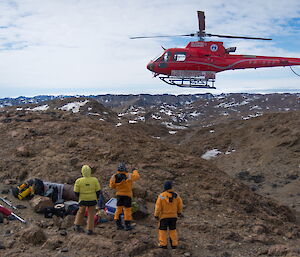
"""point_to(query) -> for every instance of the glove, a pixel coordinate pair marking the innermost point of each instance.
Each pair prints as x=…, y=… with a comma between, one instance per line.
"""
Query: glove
x=180, y=215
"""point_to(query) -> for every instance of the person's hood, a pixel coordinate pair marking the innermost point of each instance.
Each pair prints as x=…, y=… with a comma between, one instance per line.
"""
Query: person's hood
x=86, y=171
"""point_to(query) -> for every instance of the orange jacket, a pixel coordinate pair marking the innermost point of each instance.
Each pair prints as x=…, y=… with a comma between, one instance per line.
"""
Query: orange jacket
x=125, y=186
x=168, y=205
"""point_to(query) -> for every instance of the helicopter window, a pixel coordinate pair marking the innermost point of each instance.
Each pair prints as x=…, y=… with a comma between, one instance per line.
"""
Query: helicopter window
x=167, y=56
x=179, y=57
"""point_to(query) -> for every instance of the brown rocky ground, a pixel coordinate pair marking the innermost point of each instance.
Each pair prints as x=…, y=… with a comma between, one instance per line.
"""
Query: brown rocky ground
x=263, y=152
x=223, y=217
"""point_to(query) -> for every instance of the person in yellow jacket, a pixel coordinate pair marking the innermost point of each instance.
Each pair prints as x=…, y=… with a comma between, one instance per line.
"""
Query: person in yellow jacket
x=122, y=182
x=167, y=209
x=87, y=189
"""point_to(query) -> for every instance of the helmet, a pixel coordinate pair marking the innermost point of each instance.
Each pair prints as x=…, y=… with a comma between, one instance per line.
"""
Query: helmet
x=122, y=167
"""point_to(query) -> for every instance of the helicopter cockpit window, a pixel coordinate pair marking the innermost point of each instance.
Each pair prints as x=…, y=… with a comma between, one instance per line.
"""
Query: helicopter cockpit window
x=167, y=56
x=179, y=57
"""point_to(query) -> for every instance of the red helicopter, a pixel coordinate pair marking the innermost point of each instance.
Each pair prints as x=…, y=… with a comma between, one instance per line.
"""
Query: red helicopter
x=196, y=65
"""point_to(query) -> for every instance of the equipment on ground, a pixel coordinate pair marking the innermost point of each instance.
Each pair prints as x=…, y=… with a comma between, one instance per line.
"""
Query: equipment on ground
x=111, y=206
x=8, y=203
x=196, y=65
x=22, y=191
x=7, y=212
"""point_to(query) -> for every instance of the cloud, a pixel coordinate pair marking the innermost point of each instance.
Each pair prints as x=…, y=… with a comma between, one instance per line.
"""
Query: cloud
x=77, y=44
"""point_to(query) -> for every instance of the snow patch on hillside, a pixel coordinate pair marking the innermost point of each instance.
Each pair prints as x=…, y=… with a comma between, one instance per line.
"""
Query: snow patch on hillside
x=39, y=108
x=74, y=107
x=211, y=154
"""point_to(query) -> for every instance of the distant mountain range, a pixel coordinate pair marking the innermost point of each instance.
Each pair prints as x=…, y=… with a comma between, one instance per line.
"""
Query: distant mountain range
x=172, y=111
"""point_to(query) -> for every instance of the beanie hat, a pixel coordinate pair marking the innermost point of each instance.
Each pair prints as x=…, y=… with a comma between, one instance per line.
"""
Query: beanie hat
x=167, y=185
x=122, y=167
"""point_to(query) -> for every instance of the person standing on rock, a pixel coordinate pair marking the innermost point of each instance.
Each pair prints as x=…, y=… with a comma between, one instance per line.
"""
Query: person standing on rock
x=167, y=208
x=122, y=182
x=87, y=189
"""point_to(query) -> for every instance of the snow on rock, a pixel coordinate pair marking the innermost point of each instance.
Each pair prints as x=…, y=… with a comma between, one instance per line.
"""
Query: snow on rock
x=93, y=113
x=132, y=121
x=255, y=107
x=252, y=116
x=167, y=112
x=118, y=124
x=229, y=152
x=155, y=117
x=195, y=114
x=39, y=108
x=172, y=126
x=172, y=132
x=210, y=154
x=74, y=107
x=231, y=104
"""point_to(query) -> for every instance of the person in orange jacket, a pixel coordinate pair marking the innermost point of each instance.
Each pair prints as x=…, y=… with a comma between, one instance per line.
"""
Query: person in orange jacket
x=122, y=182
x=167, y=209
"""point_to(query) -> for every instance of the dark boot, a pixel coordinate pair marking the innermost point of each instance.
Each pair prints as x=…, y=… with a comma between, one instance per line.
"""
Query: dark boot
x=163, y=246
x=78, y=228
x=128, y=225
x=119, y=225
x=173, y=246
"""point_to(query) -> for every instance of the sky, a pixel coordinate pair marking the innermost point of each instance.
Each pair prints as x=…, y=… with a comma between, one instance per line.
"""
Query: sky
x=75, y=47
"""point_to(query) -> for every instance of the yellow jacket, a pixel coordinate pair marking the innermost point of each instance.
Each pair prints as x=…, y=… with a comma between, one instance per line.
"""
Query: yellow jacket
x=87, y=186
x=125, y=186
x=168, y=205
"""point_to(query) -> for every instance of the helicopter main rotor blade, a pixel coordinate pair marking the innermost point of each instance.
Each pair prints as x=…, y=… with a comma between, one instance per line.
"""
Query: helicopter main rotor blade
x=201, y=23
x=186, y=35
x=227, y=36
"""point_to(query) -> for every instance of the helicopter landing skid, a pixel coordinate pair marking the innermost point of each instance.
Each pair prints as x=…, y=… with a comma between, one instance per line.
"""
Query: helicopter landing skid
x=189, y=82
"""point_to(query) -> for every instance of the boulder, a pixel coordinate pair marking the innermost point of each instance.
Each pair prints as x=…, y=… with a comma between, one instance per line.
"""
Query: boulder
x=39, y=203
x=33, y=235
x=278, y=250
x=141, y=210
x=24, y=151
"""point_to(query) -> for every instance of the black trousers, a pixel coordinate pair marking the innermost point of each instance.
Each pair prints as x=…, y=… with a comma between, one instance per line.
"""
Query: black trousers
x=123, y=200
x=166, y=223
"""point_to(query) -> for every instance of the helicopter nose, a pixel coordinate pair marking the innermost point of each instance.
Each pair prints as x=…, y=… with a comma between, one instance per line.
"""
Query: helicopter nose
x=150, y=66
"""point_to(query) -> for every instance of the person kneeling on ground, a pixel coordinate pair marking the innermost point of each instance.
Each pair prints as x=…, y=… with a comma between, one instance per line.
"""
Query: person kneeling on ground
x=87, y=189
x=122, y=182
x=167, y=208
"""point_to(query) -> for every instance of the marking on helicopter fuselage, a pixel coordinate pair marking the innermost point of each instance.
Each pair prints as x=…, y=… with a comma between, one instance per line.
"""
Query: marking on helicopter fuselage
x=230, y=65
